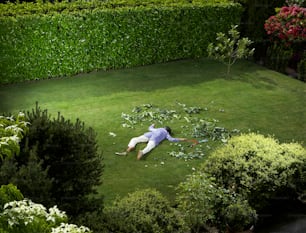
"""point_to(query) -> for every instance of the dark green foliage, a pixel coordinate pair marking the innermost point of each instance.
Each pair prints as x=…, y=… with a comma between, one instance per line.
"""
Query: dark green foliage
x=203, y=202
x=9, y=193
x=302, y=70
x=258, y=168
x=29, y=176
x=253, y=18
x=37, y=7
x=278, y=57
x=52, y=45
x=144, y=211
x=94, y=219
x=239, y=216
x=70, y=154
x=33, y=180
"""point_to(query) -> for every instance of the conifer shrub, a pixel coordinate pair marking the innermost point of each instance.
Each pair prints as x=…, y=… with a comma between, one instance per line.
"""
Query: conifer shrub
x=143, y=211
x=259, y=168
x=28, y=176
x=69, y=153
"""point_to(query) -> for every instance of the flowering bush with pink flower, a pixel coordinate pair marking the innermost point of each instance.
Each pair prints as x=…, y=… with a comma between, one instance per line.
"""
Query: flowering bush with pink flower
x=288, y=25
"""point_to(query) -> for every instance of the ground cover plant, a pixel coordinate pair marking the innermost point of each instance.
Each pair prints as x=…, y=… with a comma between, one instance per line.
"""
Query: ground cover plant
x=254, y=99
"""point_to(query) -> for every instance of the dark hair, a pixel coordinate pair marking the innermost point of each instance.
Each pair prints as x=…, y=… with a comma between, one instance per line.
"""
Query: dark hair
x=168, y=129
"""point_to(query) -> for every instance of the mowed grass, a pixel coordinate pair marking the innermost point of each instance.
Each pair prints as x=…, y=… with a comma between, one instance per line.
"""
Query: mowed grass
x=252, y=99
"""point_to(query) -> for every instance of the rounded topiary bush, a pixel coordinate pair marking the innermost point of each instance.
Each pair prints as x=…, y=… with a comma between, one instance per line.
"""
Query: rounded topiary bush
x=204, y=204
x=143, y=211
x=258, y=167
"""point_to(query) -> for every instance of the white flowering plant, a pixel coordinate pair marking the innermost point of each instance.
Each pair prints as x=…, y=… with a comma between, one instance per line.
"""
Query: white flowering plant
x=12, y=130
x=70, y=228
x=26, y=216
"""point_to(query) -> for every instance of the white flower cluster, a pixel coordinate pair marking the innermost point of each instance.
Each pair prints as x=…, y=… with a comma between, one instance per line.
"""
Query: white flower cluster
x=70, y=228
x=25, y=211
x=11, y=132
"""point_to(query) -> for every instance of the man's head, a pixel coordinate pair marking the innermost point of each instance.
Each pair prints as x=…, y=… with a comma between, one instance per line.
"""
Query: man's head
x=168, y=129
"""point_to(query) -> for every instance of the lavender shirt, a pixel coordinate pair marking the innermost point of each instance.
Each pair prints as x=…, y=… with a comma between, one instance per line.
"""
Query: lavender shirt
x=159, y=134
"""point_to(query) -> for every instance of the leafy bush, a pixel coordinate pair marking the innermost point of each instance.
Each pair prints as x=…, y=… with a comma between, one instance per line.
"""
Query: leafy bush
x=258, y=168
x=203, y=203
x=69, y=153
x=9, y=193
x=45, y=45
x=26, y=216
x=143, y=211
x=278, y=57
x=302, y=70
x=253, y=18
x=70, y=228
x=287, y=34
x=239, y=216
x=296, y=2
x=12, y=129
x=51, y=7
x=287, y=25
x=29, y=176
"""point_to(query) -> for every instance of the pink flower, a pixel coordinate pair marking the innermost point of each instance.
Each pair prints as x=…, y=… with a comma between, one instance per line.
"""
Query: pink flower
x=287, y=24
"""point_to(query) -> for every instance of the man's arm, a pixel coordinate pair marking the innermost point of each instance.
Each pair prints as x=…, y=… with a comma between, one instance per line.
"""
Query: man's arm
x=171, y=139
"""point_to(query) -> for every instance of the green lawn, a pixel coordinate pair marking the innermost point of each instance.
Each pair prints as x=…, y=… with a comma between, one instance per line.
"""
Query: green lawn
x=254, y=99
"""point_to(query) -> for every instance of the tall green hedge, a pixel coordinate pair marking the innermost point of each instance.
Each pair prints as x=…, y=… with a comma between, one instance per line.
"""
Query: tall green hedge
x=59, y=44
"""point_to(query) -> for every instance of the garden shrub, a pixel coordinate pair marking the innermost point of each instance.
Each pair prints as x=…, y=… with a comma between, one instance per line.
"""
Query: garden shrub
x=12, y=129
x=302, y=70
x=204, y=203
x=143, y=211
x=287, y=34
x=43, y=43
x=278, y=57
x=30, y=177
x=25, y=216
x=253, y=18
x=9, y=193
x=259, y=168
x=70, y=154
x=239, y=216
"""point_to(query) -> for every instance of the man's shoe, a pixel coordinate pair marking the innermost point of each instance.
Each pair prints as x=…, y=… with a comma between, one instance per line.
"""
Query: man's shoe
x=139, y=155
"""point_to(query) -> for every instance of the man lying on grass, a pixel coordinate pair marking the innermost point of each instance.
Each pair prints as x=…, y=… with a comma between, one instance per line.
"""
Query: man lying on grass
x=153, y=138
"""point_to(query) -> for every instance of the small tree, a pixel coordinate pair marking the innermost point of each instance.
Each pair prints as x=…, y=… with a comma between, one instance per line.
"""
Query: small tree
x=229, y=48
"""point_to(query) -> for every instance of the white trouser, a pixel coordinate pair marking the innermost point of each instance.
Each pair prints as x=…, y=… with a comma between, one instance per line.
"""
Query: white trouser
x=150, y=145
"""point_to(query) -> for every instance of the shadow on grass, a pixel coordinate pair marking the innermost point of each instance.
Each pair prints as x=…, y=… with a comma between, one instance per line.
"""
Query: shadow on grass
x=102, y=83
x=158, y=77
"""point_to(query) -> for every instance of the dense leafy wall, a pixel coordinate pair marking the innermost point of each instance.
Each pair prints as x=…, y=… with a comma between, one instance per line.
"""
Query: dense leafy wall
x=59, y=44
